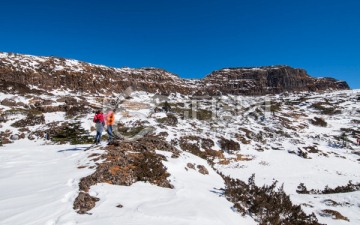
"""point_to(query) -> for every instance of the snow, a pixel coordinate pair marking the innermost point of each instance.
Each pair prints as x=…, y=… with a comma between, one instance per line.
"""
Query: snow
x=3, y=55
x=291, y=169
x=54, y=117
x=58, y=68
x=40, y=182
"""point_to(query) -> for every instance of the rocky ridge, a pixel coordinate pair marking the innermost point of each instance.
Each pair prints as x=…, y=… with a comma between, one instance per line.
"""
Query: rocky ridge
x=268, y=80
x=24, y=72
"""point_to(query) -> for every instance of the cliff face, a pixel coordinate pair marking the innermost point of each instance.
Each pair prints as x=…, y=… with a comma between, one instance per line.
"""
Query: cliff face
x=268, y=80
x=51, y=73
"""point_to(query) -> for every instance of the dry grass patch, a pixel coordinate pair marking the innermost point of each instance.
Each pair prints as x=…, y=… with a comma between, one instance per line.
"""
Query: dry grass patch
x=334, y=214
x=234, y=158
x=240, y=157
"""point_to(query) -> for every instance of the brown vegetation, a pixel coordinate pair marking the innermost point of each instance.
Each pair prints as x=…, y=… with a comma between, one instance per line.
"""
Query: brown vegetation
x=125, y=163
x=318, y=122
x=350, y=187
x=267, y=205
x=334, y=214
x=229, y=145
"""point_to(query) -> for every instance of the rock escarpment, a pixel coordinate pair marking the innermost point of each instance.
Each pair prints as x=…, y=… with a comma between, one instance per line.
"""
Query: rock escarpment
x=267, y=80
x=23, y=72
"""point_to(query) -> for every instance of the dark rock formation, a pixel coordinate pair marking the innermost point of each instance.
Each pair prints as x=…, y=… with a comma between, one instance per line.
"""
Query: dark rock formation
x=267, y=80
x=18, y=73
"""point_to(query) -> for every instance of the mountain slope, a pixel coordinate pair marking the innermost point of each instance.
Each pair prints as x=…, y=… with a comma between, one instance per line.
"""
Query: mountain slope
x=58, y=73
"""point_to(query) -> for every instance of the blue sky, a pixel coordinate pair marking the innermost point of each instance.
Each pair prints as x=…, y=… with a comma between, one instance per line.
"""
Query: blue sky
x=190, y=37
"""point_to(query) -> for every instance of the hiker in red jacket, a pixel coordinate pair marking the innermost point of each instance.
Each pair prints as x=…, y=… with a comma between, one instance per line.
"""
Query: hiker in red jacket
x=358, y=141
x=99, y=125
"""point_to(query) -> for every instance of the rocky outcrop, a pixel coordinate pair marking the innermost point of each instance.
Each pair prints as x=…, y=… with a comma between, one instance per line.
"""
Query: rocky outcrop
x=267, y=80
x=21, y=73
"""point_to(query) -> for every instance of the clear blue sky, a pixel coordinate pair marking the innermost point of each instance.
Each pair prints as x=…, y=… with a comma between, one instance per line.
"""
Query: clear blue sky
x=190, y=37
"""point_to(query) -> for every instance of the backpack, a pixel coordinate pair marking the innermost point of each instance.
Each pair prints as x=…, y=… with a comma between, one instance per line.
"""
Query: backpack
x=97, y=119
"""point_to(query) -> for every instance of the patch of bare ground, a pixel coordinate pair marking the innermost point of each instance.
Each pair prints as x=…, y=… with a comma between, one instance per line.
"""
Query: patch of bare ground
x=124, y=163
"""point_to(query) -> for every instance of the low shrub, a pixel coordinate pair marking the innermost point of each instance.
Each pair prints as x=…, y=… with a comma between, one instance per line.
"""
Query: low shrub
x=325, y=110
x=318, y=122
x=72, y=133
x=355, y=121
x=192, y=144
x=30, y=120
x=170, y=120
x=200, y=114
x=228, y=145
x=350, y=187
x=266, y=204
x=130, y=131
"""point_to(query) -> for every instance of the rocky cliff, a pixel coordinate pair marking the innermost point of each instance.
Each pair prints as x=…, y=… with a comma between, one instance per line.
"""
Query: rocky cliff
x=267, y=80
x=51, y=73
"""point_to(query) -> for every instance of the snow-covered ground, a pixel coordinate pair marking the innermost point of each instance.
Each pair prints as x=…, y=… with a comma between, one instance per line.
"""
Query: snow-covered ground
x=315, y=173
x=39, y=180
